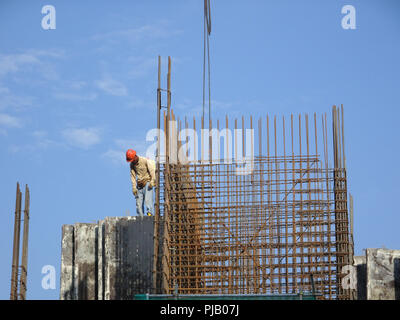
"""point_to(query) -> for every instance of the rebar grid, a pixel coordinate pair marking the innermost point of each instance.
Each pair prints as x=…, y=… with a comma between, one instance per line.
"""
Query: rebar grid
x=267, y=230
x=257, y=239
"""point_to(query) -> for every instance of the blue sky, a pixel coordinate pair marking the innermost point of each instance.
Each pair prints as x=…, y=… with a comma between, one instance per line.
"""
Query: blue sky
x=74, y=98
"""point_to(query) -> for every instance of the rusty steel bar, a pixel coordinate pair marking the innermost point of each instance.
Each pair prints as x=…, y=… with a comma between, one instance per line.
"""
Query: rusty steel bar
x=294, y=226
x=156, y=274
x=16, y=246
x=24, y=261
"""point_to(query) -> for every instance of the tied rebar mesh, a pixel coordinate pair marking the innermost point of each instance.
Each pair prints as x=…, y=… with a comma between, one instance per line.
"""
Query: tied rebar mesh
x=268, y=231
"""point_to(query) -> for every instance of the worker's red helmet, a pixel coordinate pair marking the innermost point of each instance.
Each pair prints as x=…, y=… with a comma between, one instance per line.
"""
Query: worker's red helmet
x=130, y=155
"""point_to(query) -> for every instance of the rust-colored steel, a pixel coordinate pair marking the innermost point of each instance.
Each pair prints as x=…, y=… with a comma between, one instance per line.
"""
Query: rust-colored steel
x=16, y=246
x=267, y=230
x=19, y=272
x=156, y=254
x=24, y=261
x=262, y=232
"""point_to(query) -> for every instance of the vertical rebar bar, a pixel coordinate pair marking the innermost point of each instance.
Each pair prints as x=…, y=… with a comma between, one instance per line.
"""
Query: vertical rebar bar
x=24, y=261
x=16, y=245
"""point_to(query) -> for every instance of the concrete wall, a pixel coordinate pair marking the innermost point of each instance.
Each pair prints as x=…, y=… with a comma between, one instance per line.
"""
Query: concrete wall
x=113, y=260
x=378, y=275
x=361, y=268
x=383, y=274
x=108, y=260
x=67, y=263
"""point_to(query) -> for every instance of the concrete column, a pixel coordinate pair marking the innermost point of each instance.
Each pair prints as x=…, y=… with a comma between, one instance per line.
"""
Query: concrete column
x=361, y=268
x=101, y=262
x=383, y=274
x=85, y=267
x=110, y=260
x=67, y=263
x=128, y=256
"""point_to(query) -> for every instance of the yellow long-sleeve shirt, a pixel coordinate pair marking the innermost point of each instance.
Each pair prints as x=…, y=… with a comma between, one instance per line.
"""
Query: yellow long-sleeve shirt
x=144, y=171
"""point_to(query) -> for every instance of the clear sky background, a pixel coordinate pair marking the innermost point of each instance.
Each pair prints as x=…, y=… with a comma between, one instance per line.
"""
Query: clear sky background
x=74, y=98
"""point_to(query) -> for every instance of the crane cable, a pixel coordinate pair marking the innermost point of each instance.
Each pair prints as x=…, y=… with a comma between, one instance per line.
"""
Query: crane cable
x=207, y=32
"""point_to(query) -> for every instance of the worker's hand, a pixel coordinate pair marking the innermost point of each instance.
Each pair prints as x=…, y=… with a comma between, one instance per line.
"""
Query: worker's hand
x=135, y=193
x=151, y=185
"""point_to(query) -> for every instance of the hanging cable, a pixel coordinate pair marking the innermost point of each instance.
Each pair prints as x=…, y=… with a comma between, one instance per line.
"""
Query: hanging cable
x=204, y=65
x=206, y=56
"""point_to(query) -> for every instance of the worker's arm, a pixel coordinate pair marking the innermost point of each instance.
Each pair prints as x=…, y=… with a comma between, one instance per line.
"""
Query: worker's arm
x=133, y=180
x=151, y=166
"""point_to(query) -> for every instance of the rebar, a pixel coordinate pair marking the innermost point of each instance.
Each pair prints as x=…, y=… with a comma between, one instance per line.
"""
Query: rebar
x=227, y=229
x=19, y=272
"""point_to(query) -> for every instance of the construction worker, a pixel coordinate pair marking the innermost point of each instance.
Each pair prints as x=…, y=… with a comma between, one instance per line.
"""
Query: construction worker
x=143, y=177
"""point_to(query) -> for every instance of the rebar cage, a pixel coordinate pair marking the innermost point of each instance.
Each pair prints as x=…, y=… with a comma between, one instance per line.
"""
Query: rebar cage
x=281, y=227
